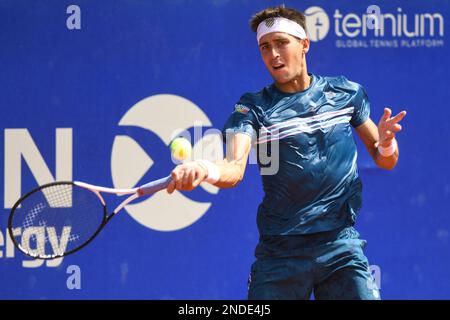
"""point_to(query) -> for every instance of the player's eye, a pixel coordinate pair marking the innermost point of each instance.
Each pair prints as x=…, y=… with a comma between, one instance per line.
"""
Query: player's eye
x=282, y=43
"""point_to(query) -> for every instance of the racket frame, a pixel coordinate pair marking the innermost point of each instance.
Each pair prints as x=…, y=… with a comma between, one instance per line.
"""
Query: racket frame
x=133, y=193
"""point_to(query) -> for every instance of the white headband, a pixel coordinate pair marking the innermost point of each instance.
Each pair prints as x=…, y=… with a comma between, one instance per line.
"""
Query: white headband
x=280, y=24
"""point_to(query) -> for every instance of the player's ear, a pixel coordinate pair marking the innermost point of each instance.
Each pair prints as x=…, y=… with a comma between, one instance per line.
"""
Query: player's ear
x=305, y=45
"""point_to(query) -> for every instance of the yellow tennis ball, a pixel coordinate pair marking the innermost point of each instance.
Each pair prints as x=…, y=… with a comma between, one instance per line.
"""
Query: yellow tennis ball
x=181, y=149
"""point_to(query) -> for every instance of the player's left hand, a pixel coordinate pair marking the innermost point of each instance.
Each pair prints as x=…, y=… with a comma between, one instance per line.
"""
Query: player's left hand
x=388, y=127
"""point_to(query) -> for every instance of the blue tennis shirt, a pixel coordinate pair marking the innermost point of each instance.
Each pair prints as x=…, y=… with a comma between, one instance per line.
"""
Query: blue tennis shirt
x=316, y=187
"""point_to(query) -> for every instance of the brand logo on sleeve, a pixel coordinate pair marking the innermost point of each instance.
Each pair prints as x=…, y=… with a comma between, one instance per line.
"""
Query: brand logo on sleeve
x=241, y=108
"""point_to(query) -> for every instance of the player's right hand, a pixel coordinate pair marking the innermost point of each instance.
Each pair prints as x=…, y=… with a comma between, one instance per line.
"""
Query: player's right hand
x=187, y=176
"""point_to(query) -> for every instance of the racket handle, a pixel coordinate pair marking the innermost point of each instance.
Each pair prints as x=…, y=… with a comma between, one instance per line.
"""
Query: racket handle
x=154, y=186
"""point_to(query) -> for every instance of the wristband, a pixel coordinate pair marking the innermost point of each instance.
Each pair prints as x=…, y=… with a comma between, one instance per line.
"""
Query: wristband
x=389, y=151
x=212, y=170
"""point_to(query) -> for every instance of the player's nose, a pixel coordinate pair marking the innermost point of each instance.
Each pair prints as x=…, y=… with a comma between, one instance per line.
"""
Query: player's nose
x=274, y=54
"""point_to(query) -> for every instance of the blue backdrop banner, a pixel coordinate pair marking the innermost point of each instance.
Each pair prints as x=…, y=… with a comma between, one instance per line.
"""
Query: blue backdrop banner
x=96, y=90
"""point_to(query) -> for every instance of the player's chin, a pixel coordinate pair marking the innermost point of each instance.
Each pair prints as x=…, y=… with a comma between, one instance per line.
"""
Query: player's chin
x=281, y=78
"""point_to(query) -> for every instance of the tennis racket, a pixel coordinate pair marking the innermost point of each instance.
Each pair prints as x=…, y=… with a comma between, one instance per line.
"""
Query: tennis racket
x=60, y=218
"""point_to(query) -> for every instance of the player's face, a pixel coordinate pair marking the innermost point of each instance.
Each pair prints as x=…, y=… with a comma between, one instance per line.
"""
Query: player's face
x=283, y=55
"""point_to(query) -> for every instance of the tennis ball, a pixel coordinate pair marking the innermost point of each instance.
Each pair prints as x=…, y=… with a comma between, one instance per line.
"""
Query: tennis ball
x=181, y=149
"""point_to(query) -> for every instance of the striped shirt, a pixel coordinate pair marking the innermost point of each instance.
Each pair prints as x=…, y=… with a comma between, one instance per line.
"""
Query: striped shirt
x=308, y=135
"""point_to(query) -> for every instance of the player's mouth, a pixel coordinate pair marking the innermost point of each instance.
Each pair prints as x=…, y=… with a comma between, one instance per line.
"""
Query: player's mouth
x=278, y=66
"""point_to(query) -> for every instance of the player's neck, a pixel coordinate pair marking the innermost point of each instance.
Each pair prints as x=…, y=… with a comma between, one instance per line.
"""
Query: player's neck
x=298, y=84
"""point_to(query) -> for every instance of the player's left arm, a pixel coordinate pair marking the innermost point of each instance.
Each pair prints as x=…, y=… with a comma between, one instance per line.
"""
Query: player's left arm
x=382, y=136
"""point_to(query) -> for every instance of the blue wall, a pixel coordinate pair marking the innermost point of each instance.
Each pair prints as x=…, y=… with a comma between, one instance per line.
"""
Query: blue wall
x=86, y=80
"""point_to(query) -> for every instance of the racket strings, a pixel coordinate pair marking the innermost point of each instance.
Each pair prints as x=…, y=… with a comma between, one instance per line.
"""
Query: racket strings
x=57, y=219
x=59, y=196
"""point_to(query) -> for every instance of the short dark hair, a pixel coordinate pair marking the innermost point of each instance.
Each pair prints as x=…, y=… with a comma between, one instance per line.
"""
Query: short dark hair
x=280, y=11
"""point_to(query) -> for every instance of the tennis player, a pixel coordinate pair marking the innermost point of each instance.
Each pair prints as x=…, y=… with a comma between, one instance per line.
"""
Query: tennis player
x=308, y=243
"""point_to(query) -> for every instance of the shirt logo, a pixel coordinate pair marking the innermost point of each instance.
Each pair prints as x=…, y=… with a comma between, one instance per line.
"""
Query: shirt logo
x=241, y=108
x=330, y=94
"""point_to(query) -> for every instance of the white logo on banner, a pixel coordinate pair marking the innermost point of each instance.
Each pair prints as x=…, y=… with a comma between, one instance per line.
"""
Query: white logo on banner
x=161, y=114
x=317, y=23
x=375, y=28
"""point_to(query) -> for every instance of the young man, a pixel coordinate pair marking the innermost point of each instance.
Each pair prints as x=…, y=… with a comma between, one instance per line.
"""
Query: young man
x=307, y=239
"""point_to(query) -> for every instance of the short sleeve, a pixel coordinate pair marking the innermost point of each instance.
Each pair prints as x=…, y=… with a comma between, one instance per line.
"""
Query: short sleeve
x=361, y=107
x=242, y=120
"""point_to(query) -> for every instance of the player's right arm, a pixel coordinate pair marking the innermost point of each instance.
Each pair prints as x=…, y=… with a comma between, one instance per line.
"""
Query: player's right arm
x=231, y=169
